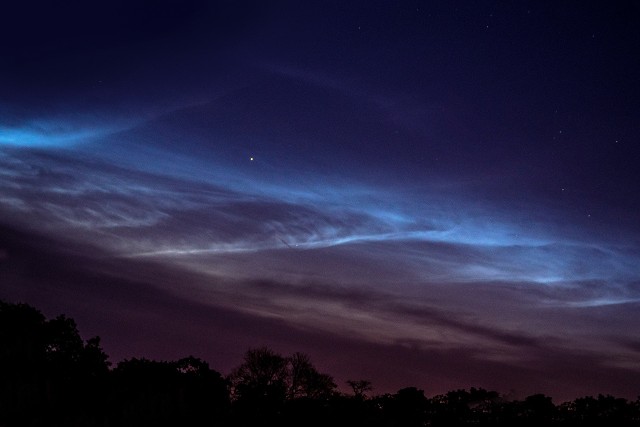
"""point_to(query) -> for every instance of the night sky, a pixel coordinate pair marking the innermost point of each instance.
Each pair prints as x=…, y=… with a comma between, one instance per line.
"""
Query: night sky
x=430, y=194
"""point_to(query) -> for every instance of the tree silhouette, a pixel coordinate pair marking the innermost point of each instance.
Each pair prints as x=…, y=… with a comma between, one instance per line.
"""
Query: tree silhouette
x=259, y=386
x=152, y=393
x=262, y=376
x=305, y=381
x=476, y=406
x=360, y=388
x=49, y=376
x=407, y=408
x=601, y=411
x=267, y=385
x=47, y=372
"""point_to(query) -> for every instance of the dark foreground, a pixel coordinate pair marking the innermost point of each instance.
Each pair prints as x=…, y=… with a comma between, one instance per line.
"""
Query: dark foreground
x=49, y=376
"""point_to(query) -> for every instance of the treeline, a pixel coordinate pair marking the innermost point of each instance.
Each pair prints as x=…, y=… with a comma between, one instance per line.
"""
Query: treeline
x=49, y=376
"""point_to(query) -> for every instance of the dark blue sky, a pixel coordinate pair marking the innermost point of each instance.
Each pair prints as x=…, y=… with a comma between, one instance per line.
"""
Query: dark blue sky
x=438, y=195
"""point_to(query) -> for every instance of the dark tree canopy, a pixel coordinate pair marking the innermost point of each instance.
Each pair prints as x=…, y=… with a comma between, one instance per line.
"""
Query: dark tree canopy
x=149, y=392
x=266, y=381
x=360, y=387
x=50, y=376
x=46, y=369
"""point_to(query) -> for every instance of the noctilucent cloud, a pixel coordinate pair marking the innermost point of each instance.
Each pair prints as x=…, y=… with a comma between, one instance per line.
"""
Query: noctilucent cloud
x=429, y=195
